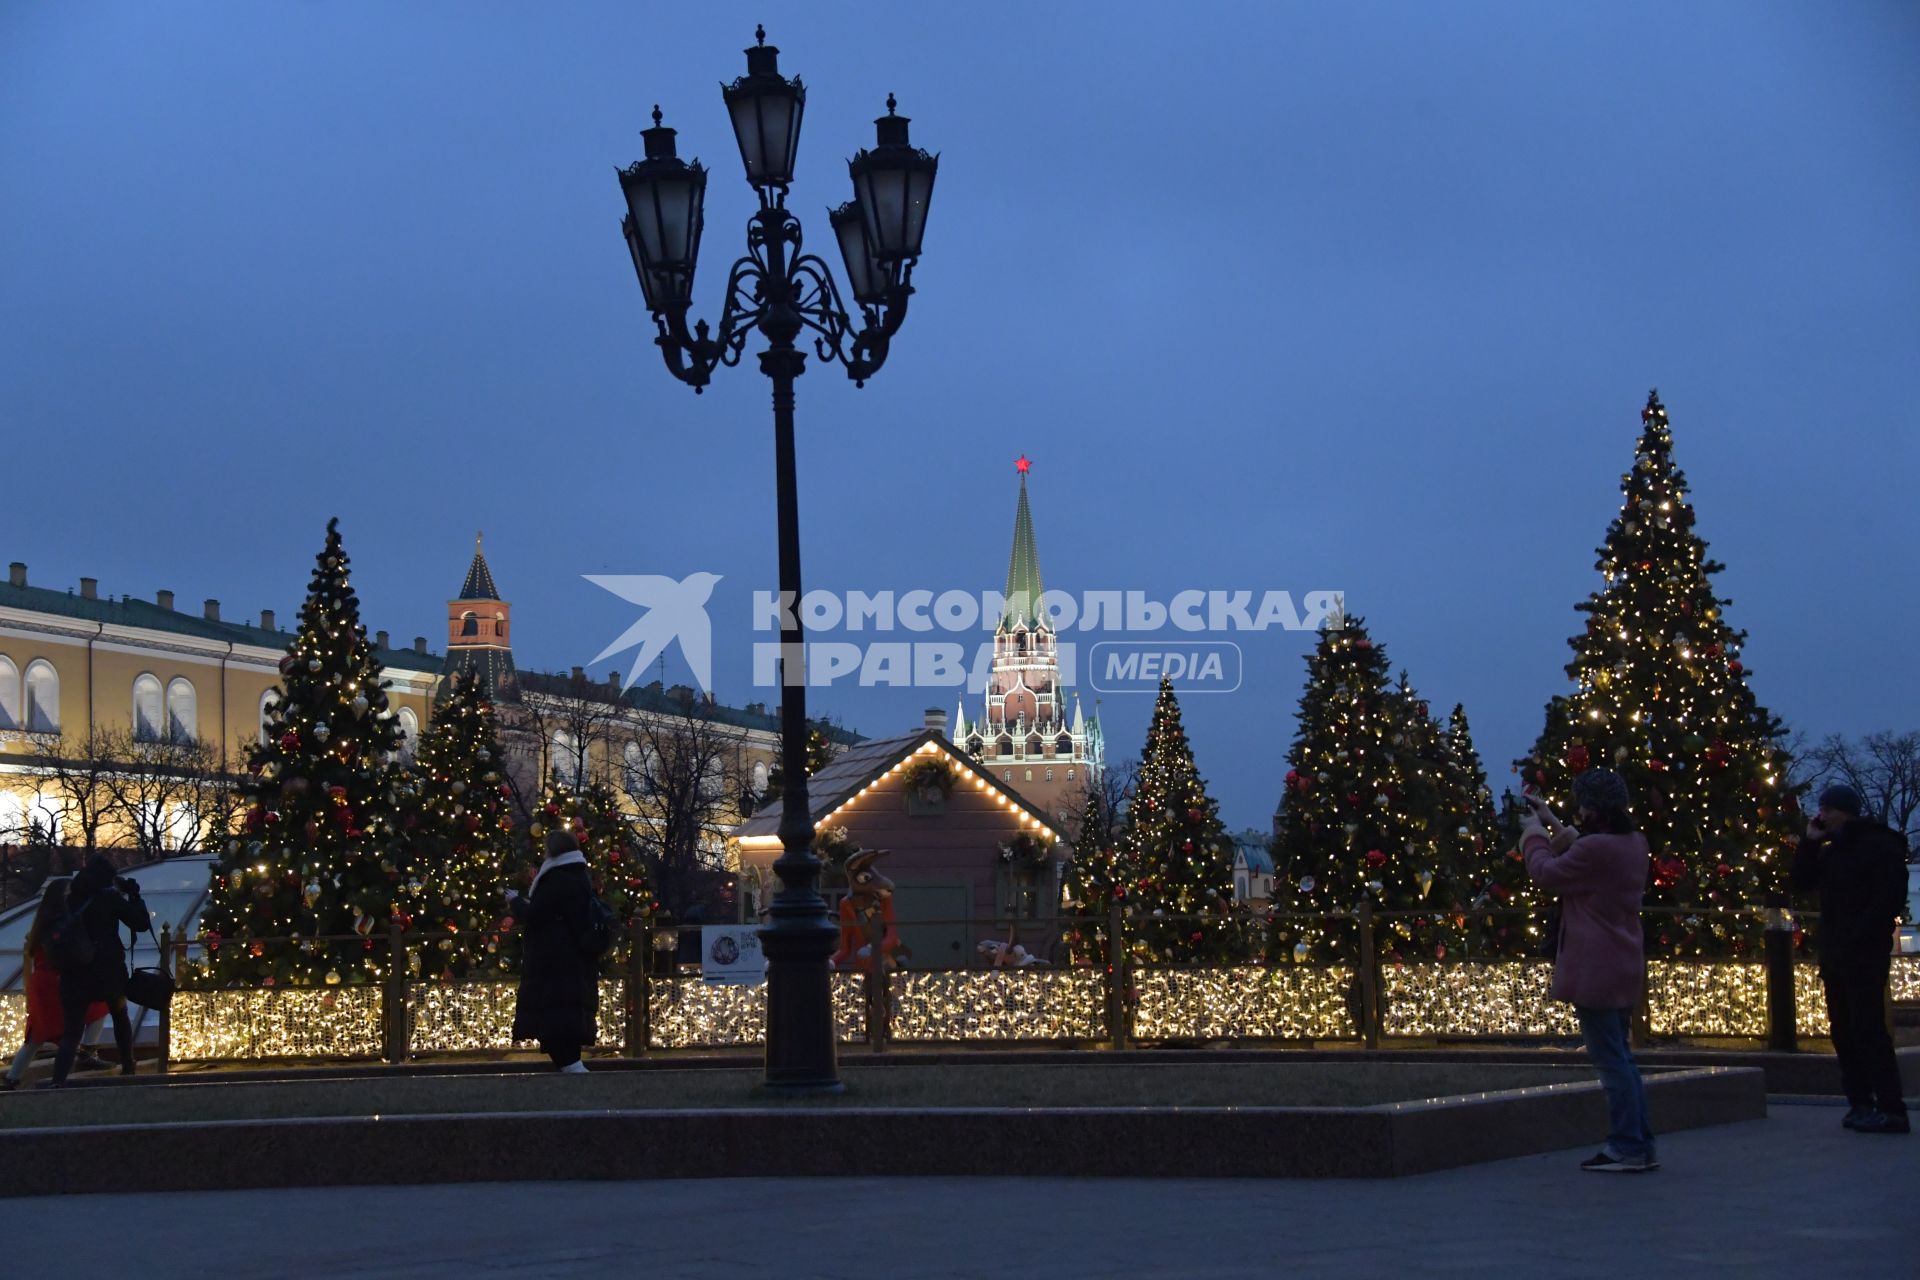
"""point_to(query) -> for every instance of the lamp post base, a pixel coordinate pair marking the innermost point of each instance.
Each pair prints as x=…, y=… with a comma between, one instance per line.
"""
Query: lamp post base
x=802, y=1056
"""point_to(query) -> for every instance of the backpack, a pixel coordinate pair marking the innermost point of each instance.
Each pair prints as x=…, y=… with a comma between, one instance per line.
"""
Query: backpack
x=603, y=928
x=69, y=944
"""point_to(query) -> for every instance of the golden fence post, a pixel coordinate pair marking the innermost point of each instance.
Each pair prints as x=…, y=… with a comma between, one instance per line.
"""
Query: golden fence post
x=639, y=1003
x=393, y=997
x=1369, y=978
x=163, y=1034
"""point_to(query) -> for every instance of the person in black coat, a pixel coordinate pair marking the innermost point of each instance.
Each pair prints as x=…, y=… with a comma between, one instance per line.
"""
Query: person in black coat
x=559, y=977
x=1859, y=867
x=102, y=904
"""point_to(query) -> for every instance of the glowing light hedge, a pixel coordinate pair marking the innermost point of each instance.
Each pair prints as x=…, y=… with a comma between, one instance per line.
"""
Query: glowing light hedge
x=1504, y=998
x=1245, y=1002
x=280, y=1022
x=1490, y=999
x=1020, y=1004
x=13, y=1018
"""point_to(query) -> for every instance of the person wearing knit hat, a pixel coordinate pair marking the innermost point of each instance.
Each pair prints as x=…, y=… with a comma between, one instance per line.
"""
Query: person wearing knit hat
x=1858, y=867
x=1599, y=870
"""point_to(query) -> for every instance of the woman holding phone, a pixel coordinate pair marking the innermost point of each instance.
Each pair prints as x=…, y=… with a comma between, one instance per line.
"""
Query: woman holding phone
x=1600, y=873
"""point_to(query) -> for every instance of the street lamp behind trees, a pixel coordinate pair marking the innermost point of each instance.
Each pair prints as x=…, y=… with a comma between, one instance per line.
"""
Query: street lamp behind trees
x=781, y=290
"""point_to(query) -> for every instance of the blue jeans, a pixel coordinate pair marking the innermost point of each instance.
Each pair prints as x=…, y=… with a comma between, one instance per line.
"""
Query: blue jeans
x=1605, y=1034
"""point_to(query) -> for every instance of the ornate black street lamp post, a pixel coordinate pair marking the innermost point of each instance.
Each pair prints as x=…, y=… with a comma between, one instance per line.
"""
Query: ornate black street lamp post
x=784, y=292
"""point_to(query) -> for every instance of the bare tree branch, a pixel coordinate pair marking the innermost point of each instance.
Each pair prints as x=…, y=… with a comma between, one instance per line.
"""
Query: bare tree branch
x=686, y=774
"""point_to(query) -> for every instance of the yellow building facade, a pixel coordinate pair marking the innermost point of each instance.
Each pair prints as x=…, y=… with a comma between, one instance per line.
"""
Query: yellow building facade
x=87, y=680
x=79, y=669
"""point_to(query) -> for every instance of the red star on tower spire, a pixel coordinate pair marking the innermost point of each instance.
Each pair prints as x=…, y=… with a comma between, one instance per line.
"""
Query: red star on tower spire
x=1021, y=464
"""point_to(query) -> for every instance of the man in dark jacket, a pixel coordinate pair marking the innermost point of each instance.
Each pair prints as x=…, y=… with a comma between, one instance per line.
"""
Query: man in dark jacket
x=1858, y=866
x=101, y=903
x=559, y=994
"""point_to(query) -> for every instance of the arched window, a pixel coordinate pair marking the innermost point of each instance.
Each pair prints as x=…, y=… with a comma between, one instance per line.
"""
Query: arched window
x=1033, y=746
x=268, y=701
x=1029, y=775
x=43, y=697
x=1069, y=775
x=759, y=777
x=148, y=707
x=1064, y=745
x=409, y=733
x=9, y=693
x=183, y=711
x=500, y=624
x=569, y=762
x=469, y=623
x=1049, y=773
x=633, y=769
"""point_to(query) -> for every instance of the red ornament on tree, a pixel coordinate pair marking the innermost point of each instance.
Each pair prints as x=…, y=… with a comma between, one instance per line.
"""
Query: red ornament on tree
x=1578, y=758
x=1376, y=859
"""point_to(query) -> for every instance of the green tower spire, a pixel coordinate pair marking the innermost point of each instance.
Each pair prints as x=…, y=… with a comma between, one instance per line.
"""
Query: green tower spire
x=1023, y=566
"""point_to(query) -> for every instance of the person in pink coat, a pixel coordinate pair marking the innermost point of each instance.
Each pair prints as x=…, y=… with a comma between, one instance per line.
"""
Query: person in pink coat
x=1600, y=874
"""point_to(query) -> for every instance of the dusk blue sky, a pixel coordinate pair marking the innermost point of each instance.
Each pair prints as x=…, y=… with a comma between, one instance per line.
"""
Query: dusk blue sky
x=1355, y=296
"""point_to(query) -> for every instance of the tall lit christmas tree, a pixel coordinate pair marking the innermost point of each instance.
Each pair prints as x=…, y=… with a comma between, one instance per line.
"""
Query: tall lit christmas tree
x=318, y=858
x=1357, y=819
x=463, y=830
x=1661, y=696
x=1177, y=854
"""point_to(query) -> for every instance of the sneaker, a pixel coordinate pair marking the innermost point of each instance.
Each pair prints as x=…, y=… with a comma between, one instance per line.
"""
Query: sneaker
x=90, y=1062
x=1882, y=1122
x=574, y=1069
x=1855, y=1115
x=1607, y=1162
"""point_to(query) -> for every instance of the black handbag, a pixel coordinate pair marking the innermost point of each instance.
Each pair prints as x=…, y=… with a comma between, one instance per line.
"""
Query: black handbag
x=150, y=986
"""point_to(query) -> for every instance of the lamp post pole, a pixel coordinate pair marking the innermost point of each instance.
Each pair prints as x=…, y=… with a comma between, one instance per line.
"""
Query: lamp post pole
x=784, y=292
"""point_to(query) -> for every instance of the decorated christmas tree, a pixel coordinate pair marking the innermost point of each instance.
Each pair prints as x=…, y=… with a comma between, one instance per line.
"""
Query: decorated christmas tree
x=463, y=830
x=1437, y=795
x=1494, y=876
x=318, y=858
x=1661, y=696
x=1176, y=855
x=1095, y=877
x=1360, y=811
x=592, y=813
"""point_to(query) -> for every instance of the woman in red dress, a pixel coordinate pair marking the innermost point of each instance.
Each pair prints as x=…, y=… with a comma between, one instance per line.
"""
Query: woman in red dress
x=44, y=1022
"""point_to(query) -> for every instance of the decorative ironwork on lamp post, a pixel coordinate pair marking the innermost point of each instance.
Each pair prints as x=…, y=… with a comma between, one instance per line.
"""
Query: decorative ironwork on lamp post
x=789, y=295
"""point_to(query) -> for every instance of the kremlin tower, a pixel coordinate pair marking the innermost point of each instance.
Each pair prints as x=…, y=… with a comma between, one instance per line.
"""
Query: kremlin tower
x=1033, y=736
x=480, y=633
